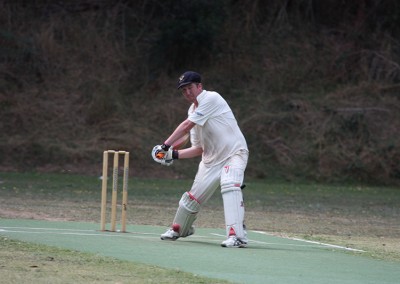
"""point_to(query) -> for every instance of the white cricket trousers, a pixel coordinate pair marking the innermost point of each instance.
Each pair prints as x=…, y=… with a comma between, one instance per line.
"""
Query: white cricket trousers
x=208, y=179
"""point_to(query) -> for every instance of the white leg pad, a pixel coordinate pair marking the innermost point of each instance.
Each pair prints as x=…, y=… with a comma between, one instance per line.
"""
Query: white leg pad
x=234, y=211
x=186, y=214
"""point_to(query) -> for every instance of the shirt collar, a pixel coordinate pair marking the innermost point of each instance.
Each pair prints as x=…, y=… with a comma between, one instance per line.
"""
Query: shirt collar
x=201, y=95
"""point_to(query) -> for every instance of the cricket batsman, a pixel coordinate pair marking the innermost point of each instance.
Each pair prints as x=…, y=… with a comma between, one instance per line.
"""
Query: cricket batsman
x=216, y=137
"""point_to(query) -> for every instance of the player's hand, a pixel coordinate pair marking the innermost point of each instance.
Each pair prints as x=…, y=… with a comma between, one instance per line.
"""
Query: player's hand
x=162, y=156
x=165, y=147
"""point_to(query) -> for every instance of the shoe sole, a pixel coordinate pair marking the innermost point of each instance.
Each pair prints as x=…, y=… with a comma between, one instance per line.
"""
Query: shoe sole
x=239, y=246
x=169, y=239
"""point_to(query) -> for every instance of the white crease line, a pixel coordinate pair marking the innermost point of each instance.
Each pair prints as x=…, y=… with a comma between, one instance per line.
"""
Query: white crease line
x=328, y=245
x=267, y=243
x=51, y=229
x=313, y=242
x=76, y=234
x=135, y=235
x=30, y=230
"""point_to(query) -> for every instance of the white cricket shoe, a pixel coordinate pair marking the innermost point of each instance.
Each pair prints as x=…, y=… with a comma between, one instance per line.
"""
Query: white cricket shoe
x=171, y=235
x=234, y=242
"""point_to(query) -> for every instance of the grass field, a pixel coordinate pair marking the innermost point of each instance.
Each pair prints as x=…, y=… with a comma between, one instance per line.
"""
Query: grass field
x=361, y=217
x=32, y=263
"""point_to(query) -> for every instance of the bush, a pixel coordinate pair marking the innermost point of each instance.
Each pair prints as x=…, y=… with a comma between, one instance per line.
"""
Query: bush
x=315, y=97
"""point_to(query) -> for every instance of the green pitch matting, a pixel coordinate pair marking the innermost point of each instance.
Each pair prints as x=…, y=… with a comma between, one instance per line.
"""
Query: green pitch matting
x=268, y=259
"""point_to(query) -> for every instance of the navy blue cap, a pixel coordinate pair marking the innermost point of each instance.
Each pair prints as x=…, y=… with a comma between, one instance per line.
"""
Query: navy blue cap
x=189, y=77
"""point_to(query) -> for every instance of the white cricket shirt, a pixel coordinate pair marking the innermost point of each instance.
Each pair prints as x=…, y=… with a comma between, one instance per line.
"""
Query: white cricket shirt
x=216, y=129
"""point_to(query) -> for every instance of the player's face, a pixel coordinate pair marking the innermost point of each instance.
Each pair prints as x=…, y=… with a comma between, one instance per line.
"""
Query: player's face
x=191, y=91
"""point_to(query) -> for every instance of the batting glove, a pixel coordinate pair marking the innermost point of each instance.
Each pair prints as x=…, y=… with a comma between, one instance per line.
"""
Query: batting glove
x=161, y=156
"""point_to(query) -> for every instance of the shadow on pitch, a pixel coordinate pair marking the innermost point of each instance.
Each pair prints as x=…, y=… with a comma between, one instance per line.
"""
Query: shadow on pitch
x=248, y=248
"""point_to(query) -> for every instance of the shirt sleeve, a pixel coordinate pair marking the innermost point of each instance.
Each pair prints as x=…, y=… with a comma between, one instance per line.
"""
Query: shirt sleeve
x=194, y=139
x=208, y=107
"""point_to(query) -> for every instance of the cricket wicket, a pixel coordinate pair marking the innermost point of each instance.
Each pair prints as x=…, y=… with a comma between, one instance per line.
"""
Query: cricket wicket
x=114, y=190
